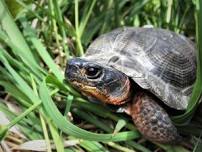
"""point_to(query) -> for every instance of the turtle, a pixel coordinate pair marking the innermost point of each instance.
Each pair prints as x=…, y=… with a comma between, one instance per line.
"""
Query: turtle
x=141, y=70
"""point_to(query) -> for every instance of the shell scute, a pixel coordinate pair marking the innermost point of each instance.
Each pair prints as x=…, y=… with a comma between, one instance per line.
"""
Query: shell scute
x=158, y=60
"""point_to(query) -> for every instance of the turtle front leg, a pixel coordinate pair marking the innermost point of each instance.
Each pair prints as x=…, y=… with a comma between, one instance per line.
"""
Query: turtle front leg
x=152, y=120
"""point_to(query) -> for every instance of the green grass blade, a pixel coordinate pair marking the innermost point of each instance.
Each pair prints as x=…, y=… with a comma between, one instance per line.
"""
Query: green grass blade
x=119, y=148
x=47, y=58
x=73, y=130
x=101, y=111
x=138, y=146
x=23, y=5
x=51, y=79
x=20, y=54
x=120, y=124
x=69, y=101
x=92, y=146
x=85, y=18
x=16, y=93
x=56, y=137
x=197, y=90
x=15, y=36
x=25, y=113
x=59, y=18
x=92, y=119
x=78, y=34
x=45, y=133
x=23, y=86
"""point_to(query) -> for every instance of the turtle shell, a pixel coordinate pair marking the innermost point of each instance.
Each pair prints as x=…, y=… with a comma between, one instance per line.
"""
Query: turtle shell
x=158, y=60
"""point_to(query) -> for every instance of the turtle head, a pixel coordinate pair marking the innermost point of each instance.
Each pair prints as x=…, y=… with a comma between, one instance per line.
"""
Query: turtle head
x=98, y=81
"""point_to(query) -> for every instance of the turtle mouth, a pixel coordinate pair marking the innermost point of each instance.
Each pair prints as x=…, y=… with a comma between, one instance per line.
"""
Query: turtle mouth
x=101, y=95
x=78, y=85
x=81, y=86
x=89, y=90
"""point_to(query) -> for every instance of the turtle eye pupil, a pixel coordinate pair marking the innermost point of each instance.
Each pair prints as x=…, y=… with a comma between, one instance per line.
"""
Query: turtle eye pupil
x=93, y=73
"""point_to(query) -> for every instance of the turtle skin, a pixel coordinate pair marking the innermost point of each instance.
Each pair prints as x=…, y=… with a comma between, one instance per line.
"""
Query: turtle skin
x=152, y=120
x=158, y=60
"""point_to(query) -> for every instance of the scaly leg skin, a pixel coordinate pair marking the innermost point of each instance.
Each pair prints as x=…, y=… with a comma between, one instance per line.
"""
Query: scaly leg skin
x=152, y=120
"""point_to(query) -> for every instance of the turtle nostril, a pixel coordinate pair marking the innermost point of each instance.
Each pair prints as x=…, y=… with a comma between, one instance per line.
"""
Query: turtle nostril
x=71, y=69
x=73, y=65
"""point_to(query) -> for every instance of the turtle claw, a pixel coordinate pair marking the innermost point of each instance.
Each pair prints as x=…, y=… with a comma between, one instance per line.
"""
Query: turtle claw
x=124, y=109
x=121, y=110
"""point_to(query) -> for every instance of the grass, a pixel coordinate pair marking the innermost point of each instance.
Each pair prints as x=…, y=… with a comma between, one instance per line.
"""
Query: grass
x=36, y=39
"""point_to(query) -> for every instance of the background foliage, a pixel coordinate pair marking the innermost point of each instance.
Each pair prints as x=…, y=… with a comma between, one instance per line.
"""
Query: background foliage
x=36, y=39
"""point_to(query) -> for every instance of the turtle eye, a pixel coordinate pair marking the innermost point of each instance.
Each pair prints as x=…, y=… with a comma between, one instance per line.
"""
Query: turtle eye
x=93, y=72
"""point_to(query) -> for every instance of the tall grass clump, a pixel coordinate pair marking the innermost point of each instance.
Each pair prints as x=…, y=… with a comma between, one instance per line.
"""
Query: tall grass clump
x=42, y=112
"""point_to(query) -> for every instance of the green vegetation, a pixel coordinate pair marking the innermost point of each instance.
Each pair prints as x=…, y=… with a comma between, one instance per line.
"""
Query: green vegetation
x=36, y=39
